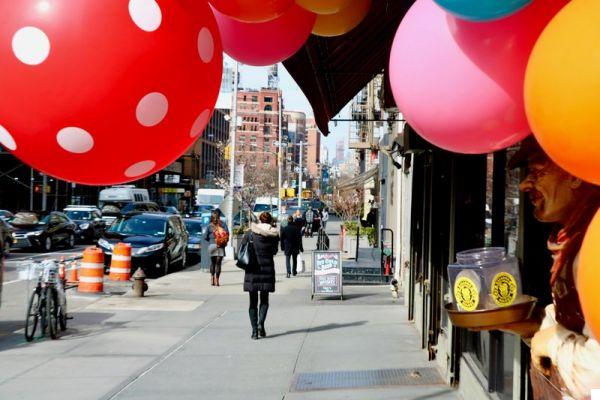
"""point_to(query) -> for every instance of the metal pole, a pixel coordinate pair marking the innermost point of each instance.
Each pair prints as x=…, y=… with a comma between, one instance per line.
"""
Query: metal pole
x=44, y=194
x=31, y=189
x=232, y=133
x=300, y=178
x=279, y=156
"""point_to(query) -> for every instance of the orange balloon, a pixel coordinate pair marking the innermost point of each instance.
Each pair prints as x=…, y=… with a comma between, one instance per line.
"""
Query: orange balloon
x=324, y=7
x=588, y=276
x=562, y=89
x=254, y=11
x=343, y=21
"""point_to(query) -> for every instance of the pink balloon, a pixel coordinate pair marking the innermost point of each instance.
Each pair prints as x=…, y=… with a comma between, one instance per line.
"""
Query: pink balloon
x=269, y=42
x=459, y=83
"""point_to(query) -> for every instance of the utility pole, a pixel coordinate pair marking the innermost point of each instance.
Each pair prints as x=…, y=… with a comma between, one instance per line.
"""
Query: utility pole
x=232, y=134
x=44, y=193
x=31, y=189
x=300, y=176
x=279, y=155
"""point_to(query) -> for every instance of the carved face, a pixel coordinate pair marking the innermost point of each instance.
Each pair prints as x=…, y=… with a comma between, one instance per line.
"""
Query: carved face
x=551, y=191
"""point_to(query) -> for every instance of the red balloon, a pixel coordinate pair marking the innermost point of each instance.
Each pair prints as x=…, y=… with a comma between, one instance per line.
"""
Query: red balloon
x=252, y=10
x=269, y=42
x=104, y=92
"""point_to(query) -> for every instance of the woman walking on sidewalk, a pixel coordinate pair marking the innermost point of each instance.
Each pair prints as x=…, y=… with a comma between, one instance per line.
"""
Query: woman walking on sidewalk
x=215, y=235
x=291, y=244
x=259, y=280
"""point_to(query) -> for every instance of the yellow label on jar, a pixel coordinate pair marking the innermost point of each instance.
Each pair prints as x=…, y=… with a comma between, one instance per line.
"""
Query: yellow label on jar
x=466, y=294
x=504, y=289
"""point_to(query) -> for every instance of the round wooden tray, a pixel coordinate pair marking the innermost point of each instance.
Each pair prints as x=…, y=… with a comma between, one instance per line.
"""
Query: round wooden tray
x=520, y=311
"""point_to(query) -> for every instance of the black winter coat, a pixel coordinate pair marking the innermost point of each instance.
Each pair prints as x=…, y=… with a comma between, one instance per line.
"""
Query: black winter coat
x=266, y=242
x=291, y=239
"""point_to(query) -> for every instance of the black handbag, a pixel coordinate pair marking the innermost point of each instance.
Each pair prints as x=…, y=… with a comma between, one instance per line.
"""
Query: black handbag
x=246, y=257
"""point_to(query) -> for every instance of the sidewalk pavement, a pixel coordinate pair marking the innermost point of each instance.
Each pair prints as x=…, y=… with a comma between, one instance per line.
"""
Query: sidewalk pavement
x=189, y=340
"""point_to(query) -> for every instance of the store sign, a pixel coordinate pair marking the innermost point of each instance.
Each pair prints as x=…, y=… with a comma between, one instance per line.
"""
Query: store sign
x=172, y=178
x=327, y=273
x=239, y=176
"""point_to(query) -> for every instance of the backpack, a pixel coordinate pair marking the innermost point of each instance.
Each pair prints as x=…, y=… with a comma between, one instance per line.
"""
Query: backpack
x=221, y=236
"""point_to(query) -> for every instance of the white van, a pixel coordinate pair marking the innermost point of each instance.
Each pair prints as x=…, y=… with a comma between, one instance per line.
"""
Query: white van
x=268, y=204
x=112, y=199
x=212, y=197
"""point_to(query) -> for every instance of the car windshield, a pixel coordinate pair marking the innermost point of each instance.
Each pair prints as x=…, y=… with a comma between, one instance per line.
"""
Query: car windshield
x=264, y=207
x=29, y=218
x=194, y=228
x=139, y=226
x=79, y=215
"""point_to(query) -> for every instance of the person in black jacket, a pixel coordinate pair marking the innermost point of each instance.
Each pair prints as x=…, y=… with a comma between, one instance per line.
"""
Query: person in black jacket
x=260, y=279
x=291, y=244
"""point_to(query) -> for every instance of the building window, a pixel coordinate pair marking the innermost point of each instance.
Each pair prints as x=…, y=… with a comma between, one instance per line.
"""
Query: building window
x=268, y=99
x=267, y=130
x=254, y=99
x=268, y=107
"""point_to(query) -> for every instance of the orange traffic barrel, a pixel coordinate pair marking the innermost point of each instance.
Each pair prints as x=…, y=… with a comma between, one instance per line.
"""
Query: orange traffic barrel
x=73, y=273
x=91, y=274
x=120, y=264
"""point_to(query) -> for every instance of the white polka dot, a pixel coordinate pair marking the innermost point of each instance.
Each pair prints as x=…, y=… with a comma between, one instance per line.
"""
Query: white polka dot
x=146, y=14
x=152, y=109
x=7, y=140
x=75, y=140
x=206, y=45
x=139, y=168
x=200, y=123
x=31, y=45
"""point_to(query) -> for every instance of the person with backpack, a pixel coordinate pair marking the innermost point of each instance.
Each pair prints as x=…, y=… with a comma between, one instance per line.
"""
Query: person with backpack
x=259, y=278
x=291, y=245
x=217, y=236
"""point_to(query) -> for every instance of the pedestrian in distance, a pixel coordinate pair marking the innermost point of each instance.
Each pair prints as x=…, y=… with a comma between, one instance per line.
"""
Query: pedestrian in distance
x=217, y=236
x=259, y=280
x=291, y=245
x=325, y=218
x=309, y=217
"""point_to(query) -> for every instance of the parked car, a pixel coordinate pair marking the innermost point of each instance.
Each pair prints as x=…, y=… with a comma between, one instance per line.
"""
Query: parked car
x=112, y=210
x=90, y=225
x=6, y=236
x=5, y=215
x=159, y=241
x=196, y=231
x=43, y=230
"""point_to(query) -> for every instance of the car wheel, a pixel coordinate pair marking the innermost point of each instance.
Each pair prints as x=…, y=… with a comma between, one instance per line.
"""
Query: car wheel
x=47, y=245
x=71, y=241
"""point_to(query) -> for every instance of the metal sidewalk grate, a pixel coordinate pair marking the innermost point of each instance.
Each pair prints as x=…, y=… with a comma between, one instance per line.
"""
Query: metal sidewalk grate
x=304, y=382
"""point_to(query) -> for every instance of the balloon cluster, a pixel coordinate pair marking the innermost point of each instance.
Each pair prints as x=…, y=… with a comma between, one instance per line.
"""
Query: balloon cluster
x=259, y=33
x=478, y=76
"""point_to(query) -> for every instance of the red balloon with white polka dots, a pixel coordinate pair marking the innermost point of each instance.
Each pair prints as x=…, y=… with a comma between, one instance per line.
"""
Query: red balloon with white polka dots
x=104, y=92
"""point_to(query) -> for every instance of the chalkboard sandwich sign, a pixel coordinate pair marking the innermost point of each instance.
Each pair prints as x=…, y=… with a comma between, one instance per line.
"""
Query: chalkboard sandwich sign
x=327, y=273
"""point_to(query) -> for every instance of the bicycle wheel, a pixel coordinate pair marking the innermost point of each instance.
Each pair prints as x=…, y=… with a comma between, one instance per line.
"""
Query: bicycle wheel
x=62, y=315
x=51, y=310
x=31, y=319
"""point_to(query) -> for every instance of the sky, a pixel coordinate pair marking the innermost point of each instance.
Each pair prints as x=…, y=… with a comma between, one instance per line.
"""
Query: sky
x=293, y=100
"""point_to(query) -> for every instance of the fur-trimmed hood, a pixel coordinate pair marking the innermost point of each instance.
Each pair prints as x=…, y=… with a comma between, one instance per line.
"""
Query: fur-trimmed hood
x=264, y=230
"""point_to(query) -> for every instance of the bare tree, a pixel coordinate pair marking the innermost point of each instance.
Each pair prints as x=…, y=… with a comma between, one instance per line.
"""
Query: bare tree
x=348, y=204
x=259, y=181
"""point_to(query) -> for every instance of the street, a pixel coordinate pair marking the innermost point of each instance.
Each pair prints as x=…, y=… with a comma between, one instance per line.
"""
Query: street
x=189, y=340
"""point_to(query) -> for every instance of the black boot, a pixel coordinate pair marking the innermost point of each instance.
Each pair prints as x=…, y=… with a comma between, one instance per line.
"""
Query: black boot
x=262, y=315
x=253, y=313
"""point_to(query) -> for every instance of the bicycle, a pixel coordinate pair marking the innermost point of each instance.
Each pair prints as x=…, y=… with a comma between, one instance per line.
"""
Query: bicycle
x=47, y=303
